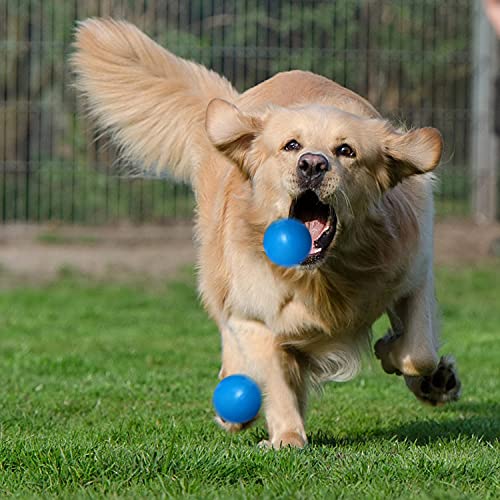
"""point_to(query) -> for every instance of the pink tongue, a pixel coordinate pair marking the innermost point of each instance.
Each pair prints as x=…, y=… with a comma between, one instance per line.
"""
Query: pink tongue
x=316, y=227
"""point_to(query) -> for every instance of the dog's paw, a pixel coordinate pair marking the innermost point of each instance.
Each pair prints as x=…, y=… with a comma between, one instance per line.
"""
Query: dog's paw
x=443, y=386
x=290, y=439
x=382, y=351
x=233, y=428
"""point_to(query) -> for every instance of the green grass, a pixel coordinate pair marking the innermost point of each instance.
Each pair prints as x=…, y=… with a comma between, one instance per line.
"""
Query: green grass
x=106, y=391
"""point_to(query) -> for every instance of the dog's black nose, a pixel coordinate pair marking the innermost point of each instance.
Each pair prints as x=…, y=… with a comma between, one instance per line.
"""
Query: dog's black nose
x=312, y=167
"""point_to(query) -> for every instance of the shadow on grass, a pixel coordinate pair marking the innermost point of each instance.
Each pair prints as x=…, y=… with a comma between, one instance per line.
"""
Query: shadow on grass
x=479, y=420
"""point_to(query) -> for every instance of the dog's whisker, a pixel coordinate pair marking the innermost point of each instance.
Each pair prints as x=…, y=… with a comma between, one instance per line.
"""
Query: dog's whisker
x=347, y=201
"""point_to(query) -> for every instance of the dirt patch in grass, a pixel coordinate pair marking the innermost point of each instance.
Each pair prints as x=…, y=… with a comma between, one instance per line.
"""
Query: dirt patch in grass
x=39, y=253
x=461, y=242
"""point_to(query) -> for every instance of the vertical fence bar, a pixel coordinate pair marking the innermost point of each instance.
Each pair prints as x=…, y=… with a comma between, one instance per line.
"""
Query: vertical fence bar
x=16, y=163
x=4, y=119
x=28, y=111
x=485, y=158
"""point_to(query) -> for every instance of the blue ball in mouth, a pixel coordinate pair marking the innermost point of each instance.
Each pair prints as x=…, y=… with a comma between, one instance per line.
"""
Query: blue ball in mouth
x=287, y=242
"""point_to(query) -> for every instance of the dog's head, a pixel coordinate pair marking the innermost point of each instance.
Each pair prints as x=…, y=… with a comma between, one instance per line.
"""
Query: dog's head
x=319, y=164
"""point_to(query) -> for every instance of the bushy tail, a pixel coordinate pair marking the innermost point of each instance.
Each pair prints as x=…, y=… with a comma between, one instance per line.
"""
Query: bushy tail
x=152, y=102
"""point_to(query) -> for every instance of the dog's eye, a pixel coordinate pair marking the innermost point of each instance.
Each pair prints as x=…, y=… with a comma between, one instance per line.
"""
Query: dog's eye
x=292, y=145
x=345, y=150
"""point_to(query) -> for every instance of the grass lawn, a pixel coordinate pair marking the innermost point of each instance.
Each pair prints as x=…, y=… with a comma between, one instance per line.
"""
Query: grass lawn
x=105, y=390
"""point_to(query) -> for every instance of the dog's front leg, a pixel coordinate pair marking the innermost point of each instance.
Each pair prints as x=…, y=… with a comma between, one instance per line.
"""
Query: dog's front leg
x=249, y=347
x=411, y=347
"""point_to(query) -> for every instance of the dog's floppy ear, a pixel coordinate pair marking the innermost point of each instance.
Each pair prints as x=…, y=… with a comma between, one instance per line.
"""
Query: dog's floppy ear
x=230, y=130
x=415, y=152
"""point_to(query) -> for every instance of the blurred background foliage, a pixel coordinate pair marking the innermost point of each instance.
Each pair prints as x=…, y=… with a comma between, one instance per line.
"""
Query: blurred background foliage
x=411, y=59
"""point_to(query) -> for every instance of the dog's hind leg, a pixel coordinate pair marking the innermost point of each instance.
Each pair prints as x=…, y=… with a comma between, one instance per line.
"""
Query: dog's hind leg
x=252, y=349
x=410, y=348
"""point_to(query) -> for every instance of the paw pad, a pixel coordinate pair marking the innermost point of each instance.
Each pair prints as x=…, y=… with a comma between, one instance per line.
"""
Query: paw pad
x=441, y=387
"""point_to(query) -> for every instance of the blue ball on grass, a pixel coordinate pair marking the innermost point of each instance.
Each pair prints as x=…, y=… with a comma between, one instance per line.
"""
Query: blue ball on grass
x=287, y=242
x=237, y=399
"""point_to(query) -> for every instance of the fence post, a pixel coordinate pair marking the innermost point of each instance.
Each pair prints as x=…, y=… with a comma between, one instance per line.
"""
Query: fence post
x=485, y=147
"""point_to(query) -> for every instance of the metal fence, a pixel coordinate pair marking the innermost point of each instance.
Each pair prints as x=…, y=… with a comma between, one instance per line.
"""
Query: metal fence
x=410, y=58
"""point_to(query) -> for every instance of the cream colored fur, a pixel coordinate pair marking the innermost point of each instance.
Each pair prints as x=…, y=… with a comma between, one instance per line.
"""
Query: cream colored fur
x=151, y=101
x=287, y=328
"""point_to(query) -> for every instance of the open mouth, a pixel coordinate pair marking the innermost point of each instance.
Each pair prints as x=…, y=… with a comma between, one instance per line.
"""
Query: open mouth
x=321, y=221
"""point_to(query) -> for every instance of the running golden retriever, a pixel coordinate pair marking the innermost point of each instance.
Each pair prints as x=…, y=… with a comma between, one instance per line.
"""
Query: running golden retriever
x=297, y=145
